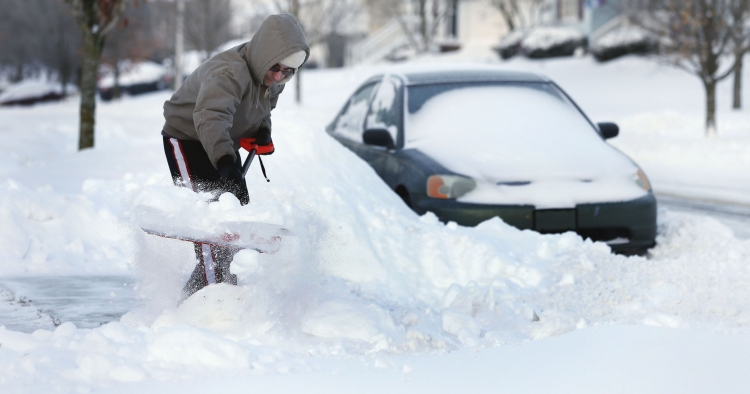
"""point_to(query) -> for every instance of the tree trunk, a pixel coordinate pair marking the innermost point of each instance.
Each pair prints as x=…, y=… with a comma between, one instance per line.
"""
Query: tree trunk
x=64, y=79
x=710, y=108
x=737, y=102
x=116, y=91
x=92, y=50
x=178, y=45
x=116, y=94
x=18, y=77
x=423, y=25
x=298, y=77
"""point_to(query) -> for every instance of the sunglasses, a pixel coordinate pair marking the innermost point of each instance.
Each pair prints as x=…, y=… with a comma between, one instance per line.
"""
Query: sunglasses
x=287, y=72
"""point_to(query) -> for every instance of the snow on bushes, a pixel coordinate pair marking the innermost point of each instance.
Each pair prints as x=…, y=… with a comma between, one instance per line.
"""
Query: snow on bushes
x=546, y=42
x=541, y=43
x=623, y=41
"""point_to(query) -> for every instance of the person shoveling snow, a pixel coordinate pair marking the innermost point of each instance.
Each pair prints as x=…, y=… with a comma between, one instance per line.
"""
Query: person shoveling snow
x=227, y=99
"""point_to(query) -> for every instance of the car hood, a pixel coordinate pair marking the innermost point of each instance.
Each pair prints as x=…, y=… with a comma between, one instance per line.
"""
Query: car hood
x=551, y=160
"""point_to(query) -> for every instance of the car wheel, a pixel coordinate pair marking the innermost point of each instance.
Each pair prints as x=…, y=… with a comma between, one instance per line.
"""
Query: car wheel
x=404, y=194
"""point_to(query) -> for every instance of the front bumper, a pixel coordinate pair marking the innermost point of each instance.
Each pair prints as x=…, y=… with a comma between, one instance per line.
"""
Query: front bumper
x=629, y=227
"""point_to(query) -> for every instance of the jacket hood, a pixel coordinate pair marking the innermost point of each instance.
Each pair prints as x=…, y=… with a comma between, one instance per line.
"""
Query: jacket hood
x=278, y=37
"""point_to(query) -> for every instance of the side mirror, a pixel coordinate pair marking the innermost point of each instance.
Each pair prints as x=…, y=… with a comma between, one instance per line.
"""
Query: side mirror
x=608, y=130
x=378, y=137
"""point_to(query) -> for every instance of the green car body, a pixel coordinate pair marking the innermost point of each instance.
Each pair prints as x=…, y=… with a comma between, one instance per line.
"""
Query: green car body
x=629, y=227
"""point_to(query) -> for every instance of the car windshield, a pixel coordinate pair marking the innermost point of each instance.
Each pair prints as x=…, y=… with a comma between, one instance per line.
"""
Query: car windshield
x=489, y=110
x=507, y=132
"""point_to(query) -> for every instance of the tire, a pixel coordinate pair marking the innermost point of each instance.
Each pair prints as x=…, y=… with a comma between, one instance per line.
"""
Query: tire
x=404, y=194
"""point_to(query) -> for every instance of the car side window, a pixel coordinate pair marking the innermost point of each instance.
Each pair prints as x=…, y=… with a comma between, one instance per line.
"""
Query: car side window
x=349, y=122
x=384, y=111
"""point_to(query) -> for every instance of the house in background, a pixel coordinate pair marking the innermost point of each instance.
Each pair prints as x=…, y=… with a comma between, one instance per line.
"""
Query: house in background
x=477, y=25
x=592, y=18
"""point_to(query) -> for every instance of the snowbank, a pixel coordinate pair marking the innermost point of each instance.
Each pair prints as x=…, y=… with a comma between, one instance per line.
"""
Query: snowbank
x=31, y=91
x=362, y=281
x=135, y=73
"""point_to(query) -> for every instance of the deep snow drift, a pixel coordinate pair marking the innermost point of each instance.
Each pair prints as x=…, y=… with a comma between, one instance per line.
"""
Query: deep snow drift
x=362, y=281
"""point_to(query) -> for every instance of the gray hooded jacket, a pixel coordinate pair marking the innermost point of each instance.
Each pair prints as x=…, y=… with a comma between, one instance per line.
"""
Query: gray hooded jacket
x=224, y=99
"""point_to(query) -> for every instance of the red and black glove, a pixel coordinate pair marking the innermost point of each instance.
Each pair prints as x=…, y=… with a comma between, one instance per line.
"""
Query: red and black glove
x=261, y=142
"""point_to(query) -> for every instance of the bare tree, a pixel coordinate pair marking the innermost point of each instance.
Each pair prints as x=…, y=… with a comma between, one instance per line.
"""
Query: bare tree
x=207, y=24
x=420, y=20
x=19, y=48
x=319, y=19
x=520, y=14
x=740, y=22
x=60, y=48
x=133, y=39
x=96, y=18
x=696, y=37
x=39, y=36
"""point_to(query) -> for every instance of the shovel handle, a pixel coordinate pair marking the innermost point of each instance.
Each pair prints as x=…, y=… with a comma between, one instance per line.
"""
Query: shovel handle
x=248, y=161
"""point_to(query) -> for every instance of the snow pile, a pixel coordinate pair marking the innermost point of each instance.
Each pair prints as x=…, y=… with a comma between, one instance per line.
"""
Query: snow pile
x=362, y=277
x=288, y=310
x=44, y=231
x=33, y=90
x=137, y=73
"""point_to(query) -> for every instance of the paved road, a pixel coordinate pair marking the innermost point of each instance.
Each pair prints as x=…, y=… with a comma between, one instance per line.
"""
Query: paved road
x=42, y=302
x=734, y=216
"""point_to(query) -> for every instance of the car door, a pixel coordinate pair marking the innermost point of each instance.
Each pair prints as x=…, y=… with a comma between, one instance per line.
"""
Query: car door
x=385, y=113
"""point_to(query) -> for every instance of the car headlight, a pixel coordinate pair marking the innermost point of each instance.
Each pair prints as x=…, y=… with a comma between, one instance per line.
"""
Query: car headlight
x=449, y=186
x=642, y=180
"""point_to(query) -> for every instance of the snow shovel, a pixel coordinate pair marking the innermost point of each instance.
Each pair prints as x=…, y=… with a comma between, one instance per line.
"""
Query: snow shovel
x=249, y=145
x=261, y=237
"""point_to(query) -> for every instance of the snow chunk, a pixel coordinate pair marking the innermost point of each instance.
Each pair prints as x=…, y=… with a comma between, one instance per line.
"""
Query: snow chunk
x=196, y=349
x=348, y=319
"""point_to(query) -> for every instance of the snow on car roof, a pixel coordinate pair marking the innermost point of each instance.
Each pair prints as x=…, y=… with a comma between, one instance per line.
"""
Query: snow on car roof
x=423, y=74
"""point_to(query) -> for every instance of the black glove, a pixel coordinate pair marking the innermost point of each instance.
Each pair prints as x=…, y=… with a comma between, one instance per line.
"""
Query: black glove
x=263, y=137
x=231, y=179
x=228, y=171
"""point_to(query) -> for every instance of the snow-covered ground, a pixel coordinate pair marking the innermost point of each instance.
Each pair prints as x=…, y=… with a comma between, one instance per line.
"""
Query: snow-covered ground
x=365, y=295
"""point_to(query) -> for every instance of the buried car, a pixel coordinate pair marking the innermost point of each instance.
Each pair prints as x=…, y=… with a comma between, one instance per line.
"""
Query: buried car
x=472, y=144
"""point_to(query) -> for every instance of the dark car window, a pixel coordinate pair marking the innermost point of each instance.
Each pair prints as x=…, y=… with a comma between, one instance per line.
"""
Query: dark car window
x=384, y=111
x=349, y=123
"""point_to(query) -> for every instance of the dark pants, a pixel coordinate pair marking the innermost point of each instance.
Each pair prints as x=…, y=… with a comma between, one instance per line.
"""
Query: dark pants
x=191, y=167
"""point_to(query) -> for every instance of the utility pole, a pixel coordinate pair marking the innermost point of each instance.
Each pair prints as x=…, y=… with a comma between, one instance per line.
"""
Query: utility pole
x=178, y=44
x=298, y=91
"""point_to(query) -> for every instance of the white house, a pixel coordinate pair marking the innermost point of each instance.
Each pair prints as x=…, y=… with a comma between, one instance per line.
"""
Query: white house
x=473, y=24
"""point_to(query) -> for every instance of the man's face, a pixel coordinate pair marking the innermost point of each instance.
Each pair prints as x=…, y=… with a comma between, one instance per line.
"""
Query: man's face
x=277, y=73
